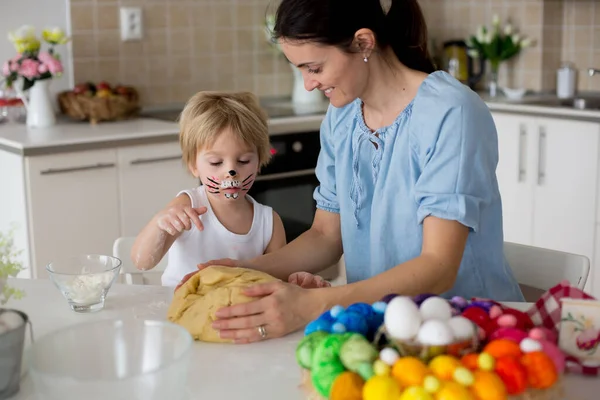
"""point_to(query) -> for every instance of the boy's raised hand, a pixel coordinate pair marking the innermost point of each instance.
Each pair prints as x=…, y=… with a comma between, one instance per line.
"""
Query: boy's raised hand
x=178, y=218
x=307, y=280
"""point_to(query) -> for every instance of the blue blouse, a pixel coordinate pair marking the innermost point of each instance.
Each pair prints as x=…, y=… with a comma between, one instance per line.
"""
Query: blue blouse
x=438, y=158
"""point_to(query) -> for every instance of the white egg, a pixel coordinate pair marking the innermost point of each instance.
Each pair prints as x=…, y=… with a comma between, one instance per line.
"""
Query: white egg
x=461, y=327
x=435, y=308
x=389, y=356
x=435, y=333
x=402, y=318
x=11, y=320
x=529, y=345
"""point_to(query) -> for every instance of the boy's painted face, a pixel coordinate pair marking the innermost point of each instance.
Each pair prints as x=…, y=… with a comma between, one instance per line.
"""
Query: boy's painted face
x=228, y=168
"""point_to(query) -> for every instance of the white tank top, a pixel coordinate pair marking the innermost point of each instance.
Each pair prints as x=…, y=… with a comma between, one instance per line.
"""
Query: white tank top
x=194, y=247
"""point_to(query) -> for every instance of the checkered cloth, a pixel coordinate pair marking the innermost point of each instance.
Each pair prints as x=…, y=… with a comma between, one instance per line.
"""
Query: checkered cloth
x=546, y=312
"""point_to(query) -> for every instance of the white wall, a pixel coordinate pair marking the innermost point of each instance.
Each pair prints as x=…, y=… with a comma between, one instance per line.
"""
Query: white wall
x=40, y=14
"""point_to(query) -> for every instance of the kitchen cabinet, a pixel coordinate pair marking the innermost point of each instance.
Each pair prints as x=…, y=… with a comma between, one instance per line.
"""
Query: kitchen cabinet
x=547, y=174
x=73, y=205
x=149, y=177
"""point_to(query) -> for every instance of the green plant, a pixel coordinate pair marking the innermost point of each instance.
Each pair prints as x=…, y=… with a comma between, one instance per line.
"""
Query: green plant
x=10, y=266
x=496, y=44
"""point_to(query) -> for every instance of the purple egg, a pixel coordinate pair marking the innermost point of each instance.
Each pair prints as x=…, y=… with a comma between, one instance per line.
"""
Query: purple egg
x=388, y=297
x=420, y=298
x=459, y=302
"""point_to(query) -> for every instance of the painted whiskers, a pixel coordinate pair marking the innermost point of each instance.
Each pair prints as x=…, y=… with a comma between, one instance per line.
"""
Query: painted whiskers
x=215, y=186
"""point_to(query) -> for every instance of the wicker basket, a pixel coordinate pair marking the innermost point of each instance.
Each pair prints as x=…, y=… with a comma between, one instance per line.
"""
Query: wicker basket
x=94, y=109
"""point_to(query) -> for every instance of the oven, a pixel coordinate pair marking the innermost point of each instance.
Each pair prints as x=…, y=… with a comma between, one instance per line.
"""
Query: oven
x=287, y=183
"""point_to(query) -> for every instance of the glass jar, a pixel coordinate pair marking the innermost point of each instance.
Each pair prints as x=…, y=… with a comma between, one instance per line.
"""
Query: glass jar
x=12, y=108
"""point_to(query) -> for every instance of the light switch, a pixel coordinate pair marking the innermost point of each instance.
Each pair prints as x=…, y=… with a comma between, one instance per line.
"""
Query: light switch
x=131, y=23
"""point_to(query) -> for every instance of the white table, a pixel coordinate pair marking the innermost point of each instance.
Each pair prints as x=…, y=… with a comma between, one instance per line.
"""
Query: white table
x=265, y=370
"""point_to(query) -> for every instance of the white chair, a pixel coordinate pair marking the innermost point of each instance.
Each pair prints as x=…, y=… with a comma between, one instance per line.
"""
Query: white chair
x=129, y=273
x=540, y=269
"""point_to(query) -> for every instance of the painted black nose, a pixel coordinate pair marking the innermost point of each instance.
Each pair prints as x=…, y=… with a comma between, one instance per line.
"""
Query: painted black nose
x=232, y=172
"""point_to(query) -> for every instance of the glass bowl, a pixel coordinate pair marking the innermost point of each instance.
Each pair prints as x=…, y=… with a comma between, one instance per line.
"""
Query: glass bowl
x=128, y=359
x=84, y=280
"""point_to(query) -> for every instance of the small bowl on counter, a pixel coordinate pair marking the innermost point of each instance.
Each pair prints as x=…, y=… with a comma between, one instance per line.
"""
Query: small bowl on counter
x=514, y=93
x=85, y=280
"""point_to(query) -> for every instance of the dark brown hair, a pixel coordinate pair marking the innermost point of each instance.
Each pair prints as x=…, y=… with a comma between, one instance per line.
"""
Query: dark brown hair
x=334, y=23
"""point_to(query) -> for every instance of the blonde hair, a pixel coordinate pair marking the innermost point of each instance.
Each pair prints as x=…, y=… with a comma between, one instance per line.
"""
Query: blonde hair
x=207, y=114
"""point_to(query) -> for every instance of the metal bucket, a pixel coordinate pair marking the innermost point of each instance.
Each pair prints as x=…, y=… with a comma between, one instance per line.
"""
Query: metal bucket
x=11, y=357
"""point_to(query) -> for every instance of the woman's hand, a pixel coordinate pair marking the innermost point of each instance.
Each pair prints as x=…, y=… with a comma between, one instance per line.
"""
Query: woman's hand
x=307, y=280
x=179, y=217
x=283, y=308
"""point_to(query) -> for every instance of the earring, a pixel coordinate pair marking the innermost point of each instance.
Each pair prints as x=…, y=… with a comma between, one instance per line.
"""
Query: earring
x=365, y=59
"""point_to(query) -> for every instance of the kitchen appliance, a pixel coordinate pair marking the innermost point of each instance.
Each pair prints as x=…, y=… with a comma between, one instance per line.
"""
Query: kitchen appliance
x=460, y=65
x=566, y=77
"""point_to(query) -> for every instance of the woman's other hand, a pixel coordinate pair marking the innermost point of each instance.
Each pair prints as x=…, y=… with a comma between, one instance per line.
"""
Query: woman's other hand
x=306, y=280
x=283, y=308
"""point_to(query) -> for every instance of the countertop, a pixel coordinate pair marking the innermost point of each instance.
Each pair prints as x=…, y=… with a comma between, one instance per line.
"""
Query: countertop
x=69, y=135
x=264, y=370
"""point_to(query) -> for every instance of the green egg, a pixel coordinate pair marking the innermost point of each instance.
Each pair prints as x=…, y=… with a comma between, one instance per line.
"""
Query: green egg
x=306, y=348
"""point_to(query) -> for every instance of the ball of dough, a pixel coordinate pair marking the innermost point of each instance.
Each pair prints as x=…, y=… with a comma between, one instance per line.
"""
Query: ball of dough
x=194, y=304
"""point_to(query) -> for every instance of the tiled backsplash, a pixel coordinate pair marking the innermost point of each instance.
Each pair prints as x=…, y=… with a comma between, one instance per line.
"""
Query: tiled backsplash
x=192, y=45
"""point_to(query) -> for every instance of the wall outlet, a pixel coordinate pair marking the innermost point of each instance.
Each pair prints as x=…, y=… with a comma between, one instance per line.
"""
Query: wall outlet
x=131, y=23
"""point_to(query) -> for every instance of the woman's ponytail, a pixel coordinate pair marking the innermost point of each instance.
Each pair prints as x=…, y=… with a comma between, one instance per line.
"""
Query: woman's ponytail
x=406, y=33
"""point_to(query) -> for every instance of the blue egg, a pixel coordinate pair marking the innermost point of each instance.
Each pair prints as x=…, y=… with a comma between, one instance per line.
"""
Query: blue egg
x=326, y=316
x=379, y=307
x=361, y=308
x=338, y=327
x=317, y=325
x=353, y=322
x=336, y=310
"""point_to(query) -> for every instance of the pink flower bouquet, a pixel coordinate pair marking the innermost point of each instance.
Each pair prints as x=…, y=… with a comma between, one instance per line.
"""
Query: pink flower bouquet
x=30, y=63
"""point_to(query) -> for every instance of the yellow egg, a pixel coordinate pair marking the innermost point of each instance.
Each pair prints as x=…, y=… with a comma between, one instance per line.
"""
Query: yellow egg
x=381, y=368
x=463, y=376
x=409, y=371
x=453, y=391
x=486, y=362
x=415, y=393
x=443, y=366
x=431, y=384
x=381, y=387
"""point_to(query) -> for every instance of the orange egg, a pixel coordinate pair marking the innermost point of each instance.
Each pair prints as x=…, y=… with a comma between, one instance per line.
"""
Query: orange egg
x=503, y=347
x=409, y=371
x=541, y=372
x=488, y=386
x=443, y=366
x=347, y=386
x=470, y=361
x=512, y=373
x=453, y=391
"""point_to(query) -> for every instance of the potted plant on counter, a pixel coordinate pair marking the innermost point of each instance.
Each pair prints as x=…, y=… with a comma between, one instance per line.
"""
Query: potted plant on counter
x=496, y=45
x=12, y=322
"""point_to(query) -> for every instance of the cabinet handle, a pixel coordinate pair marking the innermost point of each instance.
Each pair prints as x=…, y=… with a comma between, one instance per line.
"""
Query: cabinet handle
x=522, y=153
x=51, y=171
x=154, y=160
x=542, y=156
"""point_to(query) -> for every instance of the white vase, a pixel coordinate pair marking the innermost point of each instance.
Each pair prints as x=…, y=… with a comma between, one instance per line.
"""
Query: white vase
x=302, y=96
x=40, y=112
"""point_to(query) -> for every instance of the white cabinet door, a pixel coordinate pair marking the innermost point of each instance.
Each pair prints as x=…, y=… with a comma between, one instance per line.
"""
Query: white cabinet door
x=73, y=205
x=565, y=185
x=149, y=177
x=514, y=173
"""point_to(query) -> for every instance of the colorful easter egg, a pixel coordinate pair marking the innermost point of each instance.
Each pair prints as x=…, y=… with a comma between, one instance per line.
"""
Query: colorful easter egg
x=502, y=347
x=541, y=372
x=381, y=388
x=409, y=371
x=512, y=373
x=488, y=386
x=443, y=366
x=347, y=386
